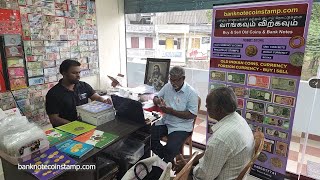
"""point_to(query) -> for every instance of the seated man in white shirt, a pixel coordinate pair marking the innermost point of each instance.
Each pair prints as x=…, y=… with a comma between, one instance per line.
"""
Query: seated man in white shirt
x=231, y=146
x=179, y=103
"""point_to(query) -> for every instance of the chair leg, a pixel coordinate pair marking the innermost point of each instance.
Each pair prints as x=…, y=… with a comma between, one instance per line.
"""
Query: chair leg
x=190, y=146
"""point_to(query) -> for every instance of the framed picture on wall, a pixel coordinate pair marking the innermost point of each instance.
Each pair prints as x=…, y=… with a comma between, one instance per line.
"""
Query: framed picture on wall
x=157, y=72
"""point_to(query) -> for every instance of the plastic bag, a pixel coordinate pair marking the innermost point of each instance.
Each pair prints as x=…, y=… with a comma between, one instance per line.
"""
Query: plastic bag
x=14, y=143
x=16, y=132
x=143, y=169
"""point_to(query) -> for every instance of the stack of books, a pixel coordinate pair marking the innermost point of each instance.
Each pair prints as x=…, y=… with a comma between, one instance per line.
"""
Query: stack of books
x=96, y=113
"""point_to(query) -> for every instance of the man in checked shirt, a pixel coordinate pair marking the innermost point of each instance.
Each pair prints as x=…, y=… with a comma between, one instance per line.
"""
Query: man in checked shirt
x=231, y=145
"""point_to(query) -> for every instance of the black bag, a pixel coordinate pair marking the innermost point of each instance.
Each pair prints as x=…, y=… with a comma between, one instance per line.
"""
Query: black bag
x=154, y=174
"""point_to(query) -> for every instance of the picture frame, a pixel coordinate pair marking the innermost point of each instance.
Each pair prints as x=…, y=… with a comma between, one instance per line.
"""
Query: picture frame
x=157, y=72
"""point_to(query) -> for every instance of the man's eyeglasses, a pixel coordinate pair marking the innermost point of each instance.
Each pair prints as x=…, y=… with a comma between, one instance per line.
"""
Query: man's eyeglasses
x=174, y=79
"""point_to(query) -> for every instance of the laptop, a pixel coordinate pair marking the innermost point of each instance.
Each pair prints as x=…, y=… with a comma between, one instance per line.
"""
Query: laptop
x=128, y=109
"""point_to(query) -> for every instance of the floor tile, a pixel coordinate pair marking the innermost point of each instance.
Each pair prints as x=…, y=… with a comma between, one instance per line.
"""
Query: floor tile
x=295, y=139
x=314, y=137
x=313, y=143
x=204, y=124
x=292, y=166
x=310, y=150
x=307, y=157
x=294, y=146
x=202, y=116
x=302, y=140
x=293, y=155
x=296, y=133
x=194, y=149
x=301, y=148
x=197, y=137
x=303, y=169
x=313, y=151
x=198, y=121
x=204, y=142
x=200, y=129
x=299, y=168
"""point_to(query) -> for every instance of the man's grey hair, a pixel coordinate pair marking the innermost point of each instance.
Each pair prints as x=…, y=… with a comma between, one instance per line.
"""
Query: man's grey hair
x=224, y=98
x=177, y=71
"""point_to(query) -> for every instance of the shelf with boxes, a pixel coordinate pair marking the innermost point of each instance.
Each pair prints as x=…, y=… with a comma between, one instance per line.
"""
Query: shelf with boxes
x=13, y=62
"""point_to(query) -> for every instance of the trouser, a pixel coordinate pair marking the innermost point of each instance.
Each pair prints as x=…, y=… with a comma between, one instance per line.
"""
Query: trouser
x=174, y=142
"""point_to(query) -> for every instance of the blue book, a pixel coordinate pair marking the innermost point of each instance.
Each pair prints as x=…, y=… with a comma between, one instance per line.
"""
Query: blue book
x=74, y=148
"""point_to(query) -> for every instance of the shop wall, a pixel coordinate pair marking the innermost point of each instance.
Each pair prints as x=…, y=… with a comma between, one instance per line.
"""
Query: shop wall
x=111, y=33
x=52, y=31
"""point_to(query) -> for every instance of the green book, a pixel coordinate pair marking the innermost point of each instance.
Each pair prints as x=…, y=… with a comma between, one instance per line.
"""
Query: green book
x=76, y=127
x=96, y=138
x=55, y=136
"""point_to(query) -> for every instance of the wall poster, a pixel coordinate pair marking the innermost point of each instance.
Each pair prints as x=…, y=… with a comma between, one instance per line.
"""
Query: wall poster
x=258, y=50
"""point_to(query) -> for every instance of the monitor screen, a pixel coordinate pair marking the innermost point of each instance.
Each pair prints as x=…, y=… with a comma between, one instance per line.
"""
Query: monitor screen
x=128, y=109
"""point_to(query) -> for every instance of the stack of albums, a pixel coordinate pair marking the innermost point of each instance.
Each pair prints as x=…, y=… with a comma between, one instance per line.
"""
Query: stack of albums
x=96, y=113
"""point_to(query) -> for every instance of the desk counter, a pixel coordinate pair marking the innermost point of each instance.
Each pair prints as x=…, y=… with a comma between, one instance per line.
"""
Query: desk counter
x=120, y=127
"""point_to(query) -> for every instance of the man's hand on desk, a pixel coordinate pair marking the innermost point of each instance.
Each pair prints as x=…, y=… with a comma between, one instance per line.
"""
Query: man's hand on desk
x=97, y=97
x=108, y=101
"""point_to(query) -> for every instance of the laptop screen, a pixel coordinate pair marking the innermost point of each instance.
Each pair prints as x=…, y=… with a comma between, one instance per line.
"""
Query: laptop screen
x=128, y=109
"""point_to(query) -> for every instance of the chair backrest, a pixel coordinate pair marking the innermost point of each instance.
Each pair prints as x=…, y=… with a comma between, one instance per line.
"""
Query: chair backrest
x=258, y=146
x=184, y=173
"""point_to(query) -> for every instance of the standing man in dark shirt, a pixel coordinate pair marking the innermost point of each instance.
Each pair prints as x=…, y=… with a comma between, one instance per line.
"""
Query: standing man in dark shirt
x=62, y=99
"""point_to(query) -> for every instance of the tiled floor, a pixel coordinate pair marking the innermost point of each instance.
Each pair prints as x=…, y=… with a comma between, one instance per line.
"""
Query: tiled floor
x=295, y=162
x=199, y=133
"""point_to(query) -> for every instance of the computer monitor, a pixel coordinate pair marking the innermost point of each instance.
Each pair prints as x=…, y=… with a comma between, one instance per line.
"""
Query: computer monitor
x=128, y=109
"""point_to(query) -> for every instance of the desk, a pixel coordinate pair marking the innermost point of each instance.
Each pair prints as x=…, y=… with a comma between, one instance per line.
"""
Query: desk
x=120, y=127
